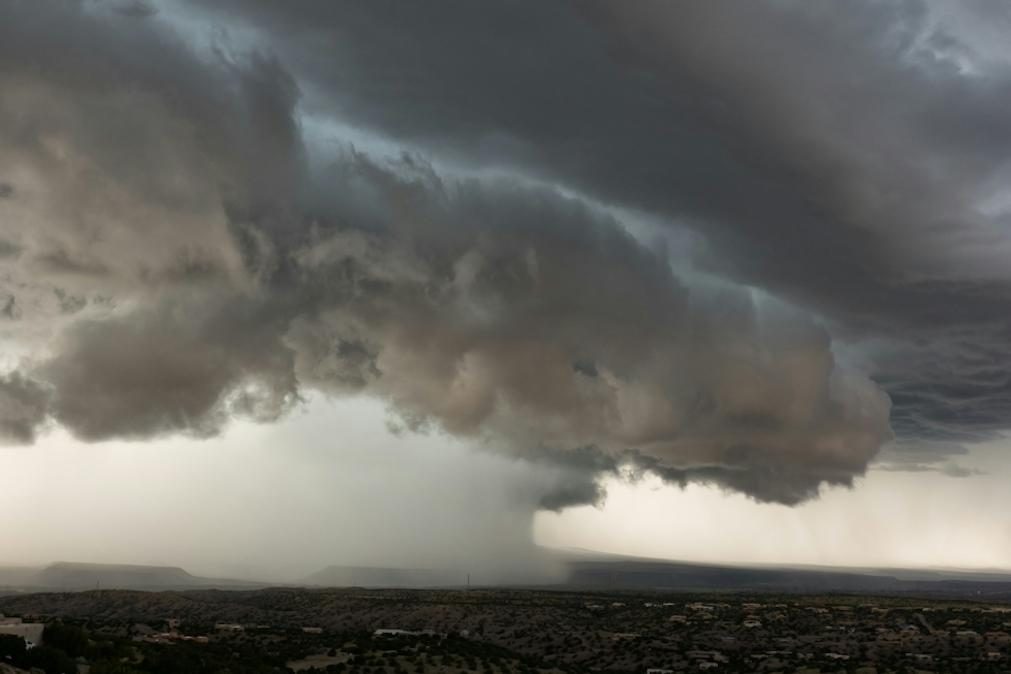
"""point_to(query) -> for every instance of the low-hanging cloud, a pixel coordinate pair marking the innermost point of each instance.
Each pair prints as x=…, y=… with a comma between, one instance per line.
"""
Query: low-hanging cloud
x=23, y=405
x=521, y=315
x=175, y=367
x=849, y=158
x=513, y=316
x=182, y=261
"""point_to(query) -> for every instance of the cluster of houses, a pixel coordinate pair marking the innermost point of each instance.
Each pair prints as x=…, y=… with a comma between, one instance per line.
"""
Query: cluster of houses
x=776, y=636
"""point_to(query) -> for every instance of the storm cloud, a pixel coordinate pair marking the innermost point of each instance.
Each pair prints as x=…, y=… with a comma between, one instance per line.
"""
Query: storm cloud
x=849, y=159
x=694, y=240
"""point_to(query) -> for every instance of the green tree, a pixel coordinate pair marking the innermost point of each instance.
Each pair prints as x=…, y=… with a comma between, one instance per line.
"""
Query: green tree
x=113, y=667
x=70, y=639
x=51, y=660
x=12, y=648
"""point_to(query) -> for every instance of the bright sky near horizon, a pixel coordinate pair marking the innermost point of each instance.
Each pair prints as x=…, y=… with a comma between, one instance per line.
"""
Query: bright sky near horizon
x=279, y=502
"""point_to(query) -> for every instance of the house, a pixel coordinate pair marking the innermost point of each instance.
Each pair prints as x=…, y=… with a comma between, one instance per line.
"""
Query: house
x=229, y=627
x=390, y=632
x=30, y=632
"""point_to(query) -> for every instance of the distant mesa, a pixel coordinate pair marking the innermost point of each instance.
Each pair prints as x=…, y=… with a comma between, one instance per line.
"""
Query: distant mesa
x=71, y=576
x=601, y=571
x=76, y=576
x=587, y=570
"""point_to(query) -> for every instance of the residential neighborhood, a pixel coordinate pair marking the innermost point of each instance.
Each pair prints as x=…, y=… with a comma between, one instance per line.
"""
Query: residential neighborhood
x=522, y=631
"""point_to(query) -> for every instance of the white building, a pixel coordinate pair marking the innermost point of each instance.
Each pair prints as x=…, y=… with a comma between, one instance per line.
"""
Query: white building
x=229, y=627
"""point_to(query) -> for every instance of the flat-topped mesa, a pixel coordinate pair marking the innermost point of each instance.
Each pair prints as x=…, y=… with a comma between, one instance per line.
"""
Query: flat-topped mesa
x=73, y=575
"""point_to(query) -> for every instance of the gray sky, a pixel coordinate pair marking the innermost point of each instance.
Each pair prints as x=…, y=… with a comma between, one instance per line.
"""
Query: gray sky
x=285, y=284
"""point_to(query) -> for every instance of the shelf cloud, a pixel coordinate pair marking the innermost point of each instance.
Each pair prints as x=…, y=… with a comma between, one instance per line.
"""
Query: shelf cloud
x=183, y=243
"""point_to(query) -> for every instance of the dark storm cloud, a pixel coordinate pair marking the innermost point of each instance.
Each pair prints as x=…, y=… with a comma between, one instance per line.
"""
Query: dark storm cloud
x=509, y=315
x=849, y=157
x=23, y=408
x=173, y=366
x=502, y=311
x=222, y=260
x=514, y=316
x=127, y=166
x=817, y=119
x=136, y=9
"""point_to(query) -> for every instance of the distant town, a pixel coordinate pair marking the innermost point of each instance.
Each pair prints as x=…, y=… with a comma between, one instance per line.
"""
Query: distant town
x=499, y=631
